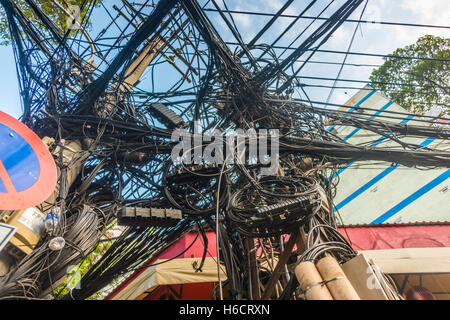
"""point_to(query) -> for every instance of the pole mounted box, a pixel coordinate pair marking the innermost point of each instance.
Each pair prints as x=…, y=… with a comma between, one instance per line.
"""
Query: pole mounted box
x=149, y=217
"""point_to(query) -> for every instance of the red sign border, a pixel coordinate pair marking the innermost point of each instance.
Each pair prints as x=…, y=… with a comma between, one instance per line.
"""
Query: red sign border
x=46, y=182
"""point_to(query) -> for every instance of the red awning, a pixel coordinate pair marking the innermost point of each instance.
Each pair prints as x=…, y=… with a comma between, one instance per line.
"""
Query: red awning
x=395, y=236
x=190, y=240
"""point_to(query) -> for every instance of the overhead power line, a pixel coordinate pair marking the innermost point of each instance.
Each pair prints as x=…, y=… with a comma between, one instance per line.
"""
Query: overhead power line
x=404, y=24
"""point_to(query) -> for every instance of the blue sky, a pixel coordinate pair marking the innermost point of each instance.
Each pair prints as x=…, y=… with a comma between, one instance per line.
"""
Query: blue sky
x=371, y=38
x=9, y=87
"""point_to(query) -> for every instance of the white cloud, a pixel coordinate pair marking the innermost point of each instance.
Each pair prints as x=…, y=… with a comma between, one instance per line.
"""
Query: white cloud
x=429, y=12
x=242, y=20
x=341, y=37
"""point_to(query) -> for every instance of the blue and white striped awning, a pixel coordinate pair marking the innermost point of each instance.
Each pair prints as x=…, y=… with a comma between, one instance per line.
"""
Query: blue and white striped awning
x=372, y=192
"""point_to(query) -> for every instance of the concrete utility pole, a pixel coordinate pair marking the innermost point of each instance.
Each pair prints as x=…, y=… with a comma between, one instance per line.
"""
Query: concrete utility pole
x=68, y=154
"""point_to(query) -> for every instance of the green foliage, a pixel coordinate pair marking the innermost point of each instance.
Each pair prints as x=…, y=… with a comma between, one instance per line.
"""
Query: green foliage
x=78, y=271
x=396, y=75
x=50, y=9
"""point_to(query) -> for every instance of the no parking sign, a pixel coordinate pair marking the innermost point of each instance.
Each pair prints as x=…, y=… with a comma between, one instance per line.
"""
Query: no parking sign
x=27, y=169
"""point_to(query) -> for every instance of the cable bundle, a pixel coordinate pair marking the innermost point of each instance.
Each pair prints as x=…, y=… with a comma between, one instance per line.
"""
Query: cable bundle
x=107, y=94
x=274, y=206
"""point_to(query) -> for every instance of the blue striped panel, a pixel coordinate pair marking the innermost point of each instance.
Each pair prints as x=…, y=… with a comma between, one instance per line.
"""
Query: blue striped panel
x=374, y=180
x=380, y=140
x=364, y=187
x=372, y=117
x=413, y=197
x=356, y=105
x=384, y=138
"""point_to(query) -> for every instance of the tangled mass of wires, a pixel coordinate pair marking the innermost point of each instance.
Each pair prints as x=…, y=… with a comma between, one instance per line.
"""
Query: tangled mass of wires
x=158, y=67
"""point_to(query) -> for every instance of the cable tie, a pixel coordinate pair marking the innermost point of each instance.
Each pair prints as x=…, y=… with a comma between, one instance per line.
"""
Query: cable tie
x=324, y=282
